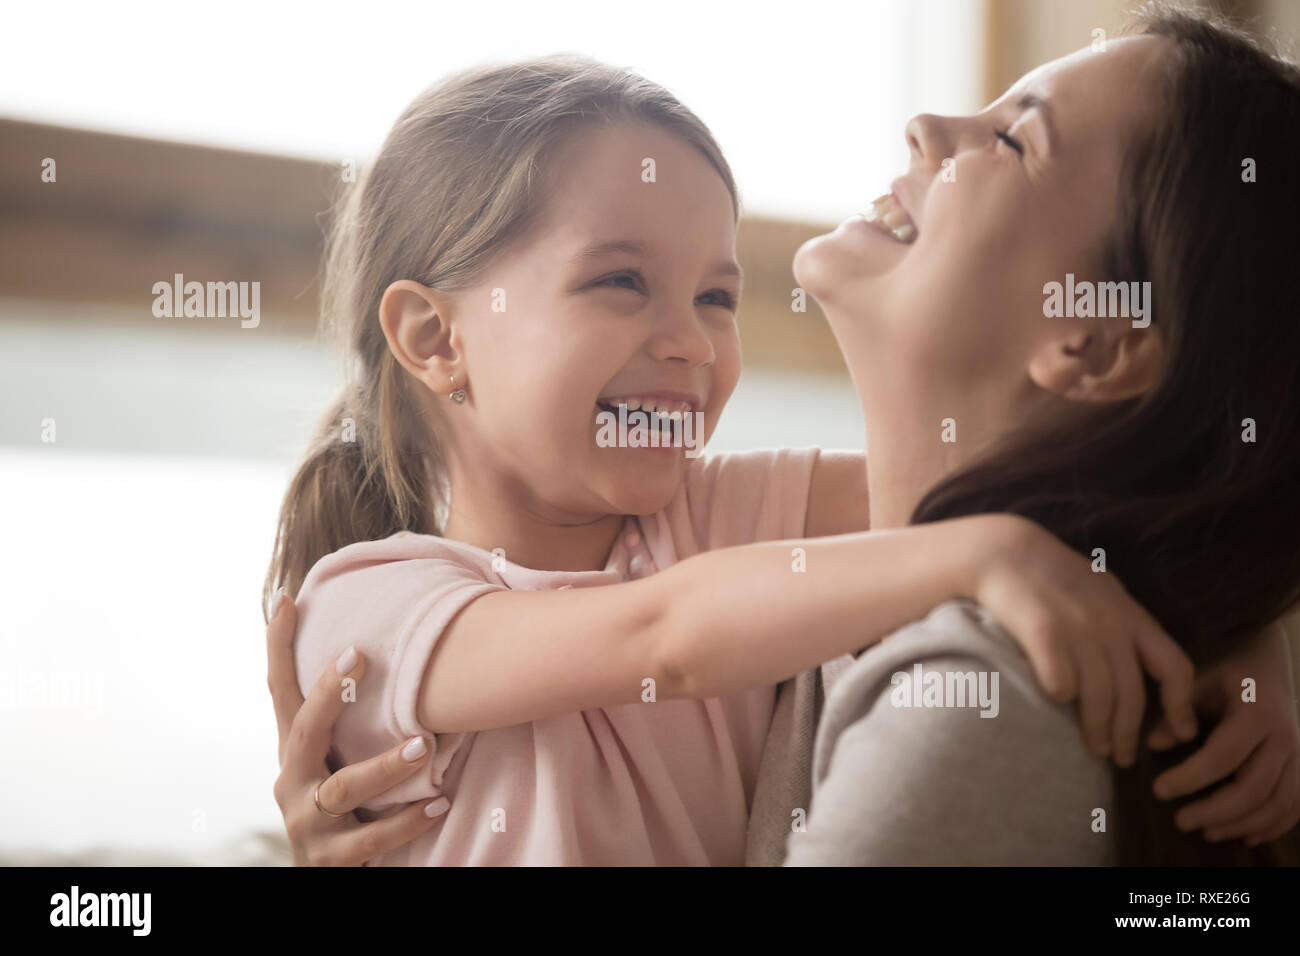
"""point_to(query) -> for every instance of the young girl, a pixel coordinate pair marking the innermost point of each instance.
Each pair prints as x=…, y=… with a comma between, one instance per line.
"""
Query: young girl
x=581, y=642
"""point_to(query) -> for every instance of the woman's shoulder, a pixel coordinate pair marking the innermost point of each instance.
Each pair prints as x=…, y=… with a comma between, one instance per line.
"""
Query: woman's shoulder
x=946, y=716
x=959, y=630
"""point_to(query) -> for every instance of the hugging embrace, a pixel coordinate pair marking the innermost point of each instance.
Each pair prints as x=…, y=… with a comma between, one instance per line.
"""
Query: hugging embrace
x=495, y=640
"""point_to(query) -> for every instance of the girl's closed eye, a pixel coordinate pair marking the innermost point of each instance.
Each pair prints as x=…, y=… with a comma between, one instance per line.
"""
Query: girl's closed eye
x=635, y=281
x=719, y=297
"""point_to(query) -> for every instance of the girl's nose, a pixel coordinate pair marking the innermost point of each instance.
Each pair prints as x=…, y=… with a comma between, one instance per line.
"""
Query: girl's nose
x=682, y=336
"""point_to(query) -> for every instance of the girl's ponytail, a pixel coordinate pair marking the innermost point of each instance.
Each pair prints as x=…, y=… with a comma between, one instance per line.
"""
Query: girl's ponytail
x=353, y=487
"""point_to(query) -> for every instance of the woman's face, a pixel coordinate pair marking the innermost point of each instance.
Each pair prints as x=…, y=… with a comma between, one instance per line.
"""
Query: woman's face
x=955, y=306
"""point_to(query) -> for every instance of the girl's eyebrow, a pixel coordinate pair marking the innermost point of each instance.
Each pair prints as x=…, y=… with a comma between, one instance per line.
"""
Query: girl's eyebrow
x=639, y=248
x=623, y=246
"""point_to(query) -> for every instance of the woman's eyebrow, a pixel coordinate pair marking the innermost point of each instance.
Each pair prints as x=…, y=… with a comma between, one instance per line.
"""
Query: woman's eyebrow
x=1031, y=101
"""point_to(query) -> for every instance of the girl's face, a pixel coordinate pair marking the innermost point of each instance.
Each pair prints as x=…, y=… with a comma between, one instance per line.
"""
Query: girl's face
x=951, y=323
x=625, y=289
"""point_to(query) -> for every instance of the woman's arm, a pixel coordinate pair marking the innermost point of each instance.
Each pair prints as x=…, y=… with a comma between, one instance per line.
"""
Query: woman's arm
x=305, y=727
x=741, y=617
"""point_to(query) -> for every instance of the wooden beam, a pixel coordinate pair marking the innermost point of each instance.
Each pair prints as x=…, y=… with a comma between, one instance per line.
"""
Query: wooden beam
x=125, y=212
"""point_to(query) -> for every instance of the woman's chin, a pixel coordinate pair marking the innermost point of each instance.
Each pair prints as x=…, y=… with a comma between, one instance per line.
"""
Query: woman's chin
x=832, y=266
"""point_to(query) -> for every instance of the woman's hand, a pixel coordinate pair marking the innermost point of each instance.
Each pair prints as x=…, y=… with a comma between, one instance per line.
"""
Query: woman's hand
x=1256, y=744
x=305, y=727
x=1084, y=635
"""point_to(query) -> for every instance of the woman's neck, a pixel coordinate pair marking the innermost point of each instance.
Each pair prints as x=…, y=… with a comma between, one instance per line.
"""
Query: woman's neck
x=901, y=468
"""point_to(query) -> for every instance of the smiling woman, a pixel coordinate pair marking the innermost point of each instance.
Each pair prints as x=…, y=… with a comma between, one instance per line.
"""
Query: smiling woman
x=1123, y=437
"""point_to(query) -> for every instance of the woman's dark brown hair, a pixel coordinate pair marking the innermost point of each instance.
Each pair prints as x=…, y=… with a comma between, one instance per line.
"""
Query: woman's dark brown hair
x=1201, y=524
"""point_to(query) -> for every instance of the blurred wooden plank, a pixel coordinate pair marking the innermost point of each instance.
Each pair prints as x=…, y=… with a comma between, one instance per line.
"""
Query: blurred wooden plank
x=126, y=212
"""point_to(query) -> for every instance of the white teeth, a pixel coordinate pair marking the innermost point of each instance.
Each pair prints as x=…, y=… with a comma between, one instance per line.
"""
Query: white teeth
x=894, y=218
x=663, y=408
x=888, y=213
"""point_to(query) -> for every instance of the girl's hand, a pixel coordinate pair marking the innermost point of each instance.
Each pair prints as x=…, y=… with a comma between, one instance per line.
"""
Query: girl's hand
x=305, y=727
x=1256, y=744
x=1085, y=636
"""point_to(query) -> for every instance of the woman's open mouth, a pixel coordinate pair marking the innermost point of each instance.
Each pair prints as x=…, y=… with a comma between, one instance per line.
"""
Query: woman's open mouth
x=888, y=215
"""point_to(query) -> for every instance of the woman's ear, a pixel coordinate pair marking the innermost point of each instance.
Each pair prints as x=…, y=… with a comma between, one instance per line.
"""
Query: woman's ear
x=417, y=325
x=1103, y=364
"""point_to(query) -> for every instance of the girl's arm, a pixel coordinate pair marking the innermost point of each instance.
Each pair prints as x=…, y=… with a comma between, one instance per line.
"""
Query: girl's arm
x=741, y=617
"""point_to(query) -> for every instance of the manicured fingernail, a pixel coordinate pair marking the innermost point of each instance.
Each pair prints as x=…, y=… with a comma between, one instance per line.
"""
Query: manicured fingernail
x=347, y=660
x=276, y=600
x=439, y=806
x=414, y=749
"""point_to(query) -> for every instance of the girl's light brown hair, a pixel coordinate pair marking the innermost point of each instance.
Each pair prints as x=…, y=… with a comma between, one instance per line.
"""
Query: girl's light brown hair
x=460, y=175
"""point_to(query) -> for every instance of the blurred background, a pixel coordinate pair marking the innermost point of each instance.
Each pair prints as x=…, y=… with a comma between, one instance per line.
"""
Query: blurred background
x=142, y=459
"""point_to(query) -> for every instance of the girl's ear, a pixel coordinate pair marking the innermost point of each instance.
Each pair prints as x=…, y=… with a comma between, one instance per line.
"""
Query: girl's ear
x=1105, y=364
x=417, y=325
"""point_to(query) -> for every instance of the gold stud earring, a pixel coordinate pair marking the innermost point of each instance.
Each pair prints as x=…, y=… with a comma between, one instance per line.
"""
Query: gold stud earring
x=458, y=394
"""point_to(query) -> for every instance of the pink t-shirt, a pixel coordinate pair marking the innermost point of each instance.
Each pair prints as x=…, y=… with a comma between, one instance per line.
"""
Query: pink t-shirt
x=668, y=783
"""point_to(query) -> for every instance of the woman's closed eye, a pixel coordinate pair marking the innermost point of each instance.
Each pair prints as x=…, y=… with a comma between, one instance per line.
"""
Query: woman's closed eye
x=1013, y=143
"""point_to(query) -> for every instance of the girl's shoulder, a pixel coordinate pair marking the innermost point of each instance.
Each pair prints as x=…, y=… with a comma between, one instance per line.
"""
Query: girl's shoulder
x=402, y=554
x=733, y=498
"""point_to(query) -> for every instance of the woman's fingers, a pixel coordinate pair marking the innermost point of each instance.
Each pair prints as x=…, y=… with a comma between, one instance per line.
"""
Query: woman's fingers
x=1283, y=810
x=1278, y=809
x=1249, y=789
x=1226, y=749
x=309, y=737
x=356, y=783
x=281, y=674
x=360, y=844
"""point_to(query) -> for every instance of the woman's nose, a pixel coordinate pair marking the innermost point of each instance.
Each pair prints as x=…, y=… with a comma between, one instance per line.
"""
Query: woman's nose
x=925, y=134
